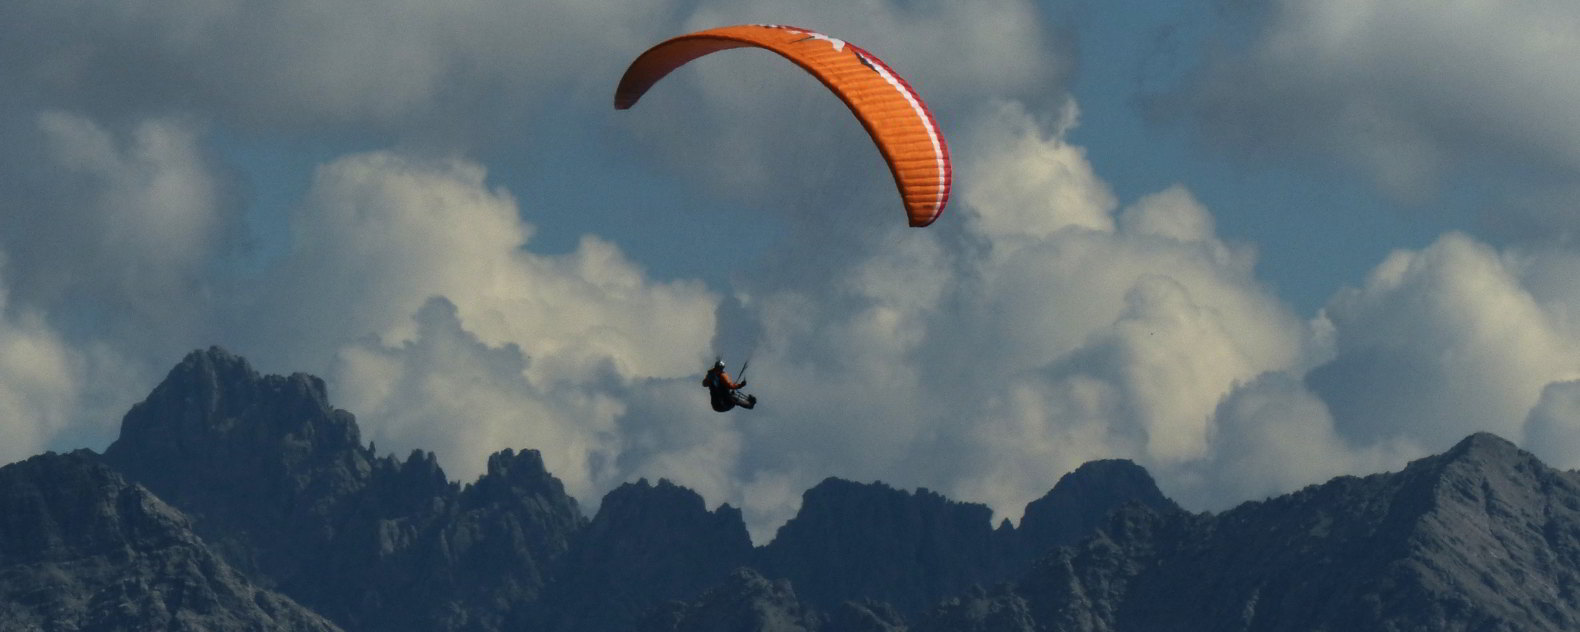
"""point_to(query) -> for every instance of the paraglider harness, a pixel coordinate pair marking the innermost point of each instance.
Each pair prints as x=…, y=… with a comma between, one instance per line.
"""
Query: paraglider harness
x=723, y=393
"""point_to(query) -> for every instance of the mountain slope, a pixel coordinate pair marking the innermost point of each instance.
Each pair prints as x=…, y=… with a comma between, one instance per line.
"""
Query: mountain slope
x=280, y=481
x=1482, y=537
x=80, y=548
x=648, y=544
x=852, y=540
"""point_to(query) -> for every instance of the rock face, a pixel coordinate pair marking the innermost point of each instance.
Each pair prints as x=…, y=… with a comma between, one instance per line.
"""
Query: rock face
x=746, y=602
x=978, y=611
x=80, y=548
x=1074, y=509
x=854, y=541
x=1483, y=537
x=647, y=545
x=280, y=482
x=263, y=464
x=851, y=541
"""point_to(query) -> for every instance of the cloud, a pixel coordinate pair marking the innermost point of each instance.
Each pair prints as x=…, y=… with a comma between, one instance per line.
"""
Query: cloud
x=1408, y=91
x=445, y=391
x=1440, y=343
x=381, y=233
x=1020, y=167
x=1542, y=216
x=417, y=69
x=38, y=392
x=1553, y=428
x=409, y=282
x=115, y=239
x=1273, y=435
x=135, y=220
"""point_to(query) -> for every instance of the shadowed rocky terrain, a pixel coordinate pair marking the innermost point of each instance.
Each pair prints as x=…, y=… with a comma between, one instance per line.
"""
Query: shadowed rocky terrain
x=82, y=549
x=1483, y=537
x=239, y=501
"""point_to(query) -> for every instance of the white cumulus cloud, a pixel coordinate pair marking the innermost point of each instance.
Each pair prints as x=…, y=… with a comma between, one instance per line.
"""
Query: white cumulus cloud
x=411, y=278
x=135, y=219
x=38, y=382
x=1440, y=343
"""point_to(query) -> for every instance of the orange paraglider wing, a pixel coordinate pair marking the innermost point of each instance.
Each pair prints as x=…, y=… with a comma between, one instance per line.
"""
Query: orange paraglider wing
x=895, y=117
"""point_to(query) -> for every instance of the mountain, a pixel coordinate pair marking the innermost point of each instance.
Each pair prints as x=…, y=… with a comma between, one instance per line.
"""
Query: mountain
x=234, y=500
x=82, y=549
x=1482, y=537
x=745, y=601
x=1077, y=505
x=649, y=544
x=854, y=540
x=279, y=481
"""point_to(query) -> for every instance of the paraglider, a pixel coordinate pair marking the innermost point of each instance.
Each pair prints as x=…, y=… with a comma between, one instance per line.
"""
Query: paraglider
x=724, y=392
x=893, y=114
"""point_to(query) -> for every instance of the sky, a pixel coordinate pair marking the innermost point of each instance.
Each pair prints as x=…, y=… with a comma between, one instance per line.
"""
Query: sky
x=1248, y=245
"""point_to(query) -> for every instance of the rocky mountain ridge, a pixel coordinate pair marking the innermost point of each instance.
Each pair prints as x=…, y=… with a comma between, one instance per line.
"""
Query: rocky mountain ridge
x=1482, y=537
x=83, y=549
x=273, y=485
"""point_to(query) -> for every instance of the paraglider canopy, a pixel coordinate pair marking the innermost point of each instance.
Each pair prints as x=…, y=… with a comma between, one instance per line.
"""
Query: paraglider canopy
x=890, y=110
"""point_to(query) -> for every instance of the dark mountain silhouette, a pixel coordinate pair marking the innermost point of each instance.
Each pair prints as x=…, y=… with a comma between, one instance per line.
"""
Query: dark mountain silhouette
x=647, y=545
x=854, y=540
x=1081, y=500
x=273, y=501
x=279, y=481
x=1483, y=537
x=745, y=601
x=82, y=549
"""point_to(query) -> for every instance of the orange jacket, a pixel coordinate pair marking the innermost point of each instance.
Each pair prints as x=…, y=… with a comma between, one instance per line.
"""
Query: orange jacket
x=722, y=377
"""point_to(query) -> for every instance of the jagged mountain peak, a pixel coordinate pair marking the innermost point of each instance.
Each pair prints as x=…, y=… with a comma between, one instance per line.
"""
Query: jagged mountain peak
x=1484, y=442
x=513, y=474
x=852, y=540
x=835, y=494
x=1078, y=503
x=216, y=423
x=214, y=400
x=1483, y=475
x=277, y=481
x=1109, y=474
x=215, y=370
x=646, y=506
x=629, y=496
x=213, y=365
x=648, y=544
x=1483, y=536
x=1500, y=529
x=528, y=463
x=1489, y=452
